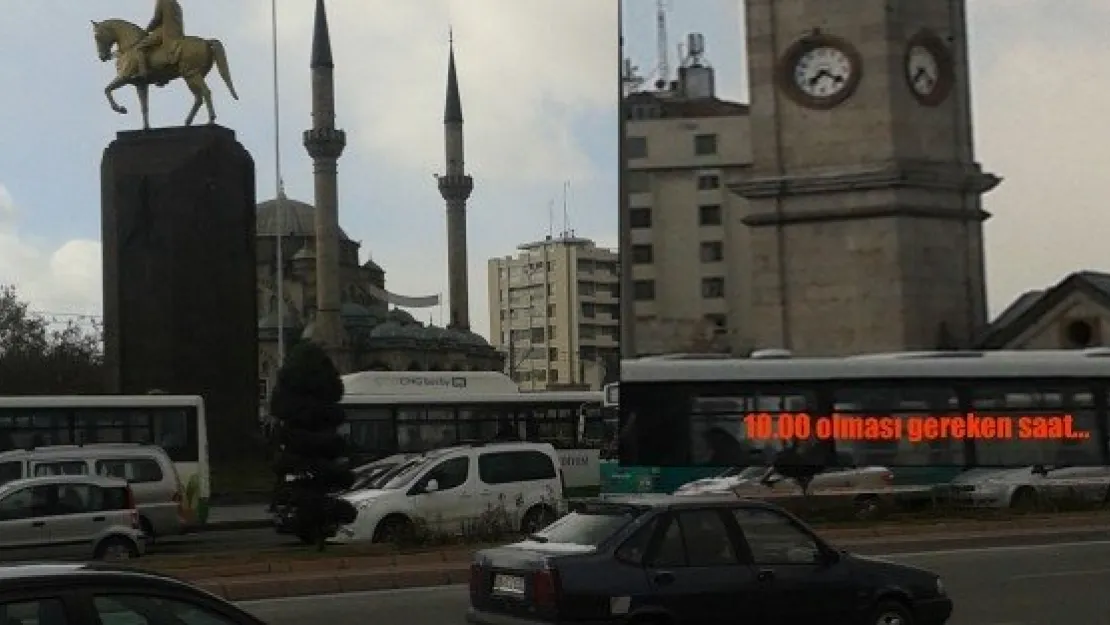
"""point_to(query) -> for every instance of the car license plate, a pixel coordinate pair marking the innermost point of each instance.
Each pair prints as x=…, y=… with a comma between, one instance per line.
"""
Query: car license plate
x=508, y=585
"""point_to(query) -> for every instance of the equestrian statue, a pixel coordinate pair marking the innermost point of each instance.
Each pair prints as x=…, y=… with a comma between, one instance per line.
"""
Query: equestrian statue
x=158, y=55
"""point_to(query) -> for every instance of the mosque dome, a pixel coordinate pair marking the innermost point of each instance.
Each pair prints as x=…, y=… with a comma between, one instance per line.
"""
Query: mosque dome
x=298, y=219
x=402, y=317
x=357, y=316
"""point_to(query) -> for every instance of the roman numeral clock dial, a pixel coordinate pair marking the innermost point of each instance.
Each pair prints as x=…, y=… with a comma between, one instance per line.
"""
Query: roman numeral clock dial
x=820, y=71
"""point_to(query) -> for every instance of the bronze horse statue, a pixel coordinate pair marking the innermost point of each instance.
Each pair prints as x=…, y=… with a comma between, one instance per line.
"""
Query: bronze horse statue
x=188, y=58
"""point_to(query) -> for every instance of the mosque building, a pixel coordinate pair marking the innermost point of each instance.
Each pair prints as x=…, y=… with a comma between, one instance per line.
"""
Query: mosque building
x=327, y=294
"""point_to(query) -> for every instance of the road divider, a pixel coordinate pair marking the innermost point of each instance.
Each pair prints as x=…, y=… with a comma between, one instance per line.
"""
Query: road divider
x=291, y=572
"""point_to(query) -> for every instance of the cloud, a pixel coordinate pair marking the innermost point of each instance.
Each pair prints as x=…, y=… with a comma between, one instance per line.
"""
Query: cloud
x=63, y=280
x=546, y=62
x=1040, y=119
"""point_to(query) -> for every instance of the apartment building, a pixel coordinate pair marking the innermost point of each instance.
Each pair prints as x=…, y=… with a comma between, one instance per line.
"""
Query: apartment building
x=554, y=312
x=684, y=146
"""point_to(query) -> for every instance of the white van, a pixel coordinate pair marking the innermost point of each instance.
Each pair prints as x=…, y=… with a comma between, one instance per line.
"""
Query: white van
x=451, y=487
x=147, y=469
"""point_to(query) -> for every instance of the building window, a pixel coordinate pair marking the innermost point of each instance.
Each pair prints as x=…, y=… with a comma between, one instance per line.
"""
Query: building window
x=709, y=215
x=589, y=311
x=553, y=376
x=551, y=333
x=712, y=288
x=708, y=182
x=639, y=218
x=642, y=254
x=637, y=182
x=705, y=145
x=535, y=335
x=712, y=252
x=636, y=147
x=551, y=311
x=553, y=354
x=643, y=290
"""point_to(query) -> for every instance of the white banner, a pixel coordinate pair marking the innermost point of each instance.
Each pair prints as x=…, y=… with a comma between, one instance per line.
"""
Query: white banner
x=428, y=301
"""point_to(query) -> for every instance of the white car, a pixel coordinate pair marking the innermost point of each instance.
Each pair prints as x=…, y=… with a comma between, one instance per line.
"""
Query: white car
x=452, y=488
x=1028, y=487
x=755, y=482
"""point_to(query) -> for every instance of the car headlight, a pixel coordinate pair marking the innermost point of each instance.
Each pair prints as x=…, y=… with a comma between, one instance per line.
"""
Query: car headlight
x=940, y=587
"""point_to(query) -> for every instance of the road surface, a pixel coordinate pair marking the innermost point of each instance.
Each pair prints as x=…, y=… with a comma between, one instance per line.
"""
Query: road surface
x=1017, y=585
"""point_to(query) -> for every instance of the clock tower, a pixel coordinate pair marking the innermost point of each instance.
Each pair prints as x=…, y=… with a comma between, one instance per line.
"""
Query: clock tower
x=864, y=222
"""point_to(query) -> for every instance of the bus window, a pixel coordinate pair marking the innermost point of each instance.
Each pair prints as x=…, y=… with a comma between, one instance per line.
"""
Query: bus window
x=1048, y=402
x=420, y=429
x=718, y=434
x=905, y=403
x=34, y=427
x=477, y=424
x=554, y=425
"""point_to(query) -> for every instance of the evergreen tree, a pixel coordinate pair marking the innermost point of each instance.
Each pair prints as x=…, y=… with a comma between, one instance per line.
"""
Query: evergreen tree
x=305, y=403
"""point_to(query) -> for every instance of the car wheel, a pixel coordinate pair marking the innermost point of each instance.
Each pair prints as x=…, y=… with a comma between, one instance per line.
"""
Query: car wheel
x=147, y=528
x=891, y=613
x=392, y=529
x=536, y=519
x=867, y=506
x=1024, y=500
x=115, y=549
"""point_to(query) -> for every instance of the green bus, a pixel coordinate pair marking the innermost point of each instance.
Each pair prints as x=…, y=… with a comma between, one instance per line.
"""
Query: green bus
x=682, y=416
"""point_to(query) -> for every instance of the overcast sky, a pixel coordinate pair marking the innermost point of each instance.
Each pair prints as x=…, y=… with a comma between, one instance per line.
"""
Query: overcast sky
x=1041, y=92
x=537, y=81
x=538, y=95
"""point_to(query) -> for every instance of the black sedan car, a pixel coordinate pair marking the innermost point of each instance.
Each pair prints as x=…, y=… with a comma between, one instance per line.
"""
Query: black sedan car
x=76, y=594
x=679, y=560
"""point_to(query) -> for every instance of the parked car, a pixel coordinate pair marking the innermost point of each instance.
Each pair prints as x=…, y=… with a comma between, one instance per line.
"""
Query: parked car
x=367, y=476
x=1027, y=488
x=69, y=517
x=56, y=594
x=451, y=487
x=694, y=560
x=154, y=481
x=761, y=481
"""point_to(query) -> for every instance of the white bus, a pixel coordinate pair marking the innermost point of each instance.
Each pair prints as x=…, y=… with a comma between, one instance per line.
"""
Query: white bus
x=391, y=412
x=174, y=422
x=688, y=412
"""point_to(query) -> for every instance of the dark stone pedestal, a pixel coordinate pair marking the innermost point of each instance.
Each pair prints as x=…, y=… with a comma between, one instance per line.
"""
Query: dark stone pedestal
x=180, y=293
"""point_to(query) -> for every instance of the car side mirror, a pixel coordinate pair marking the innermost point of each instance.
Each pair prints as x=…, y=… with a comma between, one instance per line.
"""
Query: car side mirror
x=432, y=486
x=830, y=556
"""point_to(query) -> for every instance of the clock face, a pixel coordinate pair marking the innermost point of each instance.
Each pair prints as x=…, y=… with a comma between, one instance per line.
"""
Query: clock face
x=823, y=72
x=922, y=71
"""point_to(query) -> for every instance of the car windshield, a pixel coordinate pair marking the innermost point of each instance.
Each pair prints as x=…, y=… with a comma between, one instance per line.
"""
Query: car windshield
x=401, y=475
x=370, y=478
x=589, y=528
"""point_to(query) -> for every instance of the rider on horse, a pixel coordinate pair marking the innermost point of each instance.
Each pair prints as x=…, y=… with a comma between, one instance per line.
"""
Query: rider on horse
x=166, y=29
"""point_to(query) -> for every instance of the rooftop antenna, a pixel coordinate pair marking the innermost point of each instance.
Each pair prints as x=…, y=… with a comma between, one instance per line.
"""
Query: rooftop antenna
x=279, y=201
x=630, y=77
x=566, y=219
x=661, y=43
x=551, y=219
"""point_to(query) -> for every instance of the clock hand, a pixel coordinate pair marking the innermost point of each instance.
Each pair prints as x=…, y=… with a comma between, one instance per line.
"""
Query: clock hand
x=818, y=76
